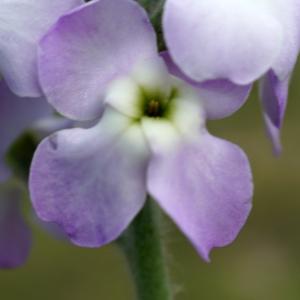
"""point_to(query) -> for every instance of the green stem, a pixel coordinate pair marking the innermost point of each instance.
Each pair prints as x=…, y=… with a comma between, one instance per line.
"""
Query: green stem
x=152, y=6
x=155, y=10
x=142, y=246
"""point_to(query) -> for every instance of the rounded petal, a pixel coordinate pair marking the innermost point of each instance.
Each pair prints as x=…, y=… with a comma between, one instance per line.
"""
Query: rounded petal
x=15, y=235
x=16, y=115
x=87, y=49
x=232, y=39
x=206, y=188
x=91, y=181
x=274, y=95
x=22, y=24
x=220, y=98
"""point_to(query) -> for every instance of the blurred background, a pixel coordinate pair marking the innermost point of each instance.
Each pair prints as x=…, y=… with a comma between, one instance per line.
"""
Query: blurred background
x=263, y=263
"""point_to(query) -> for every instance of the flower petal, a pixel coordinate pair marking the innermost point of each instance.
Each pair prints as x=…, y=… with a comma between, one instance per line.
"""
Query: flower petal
x=287, y=11
x=210, y=44
x=16, y=115
x=206, y=188
x=220, y=98
x=22, y=24
x=91, y=181
x=15, y=236
x=274, y=95
x=87, y=49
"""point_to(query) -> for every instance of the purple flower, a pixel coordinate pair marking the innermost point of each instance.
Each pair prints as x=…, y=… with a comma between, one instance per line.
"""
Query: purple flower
x=17, y=115
x=22, y=24
x=100, y=60
x=241, y=41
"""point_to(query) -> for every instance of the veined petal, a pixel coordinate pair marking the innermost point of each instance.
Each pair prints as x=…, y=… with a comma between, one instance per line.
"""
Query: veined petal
x=274, y=95
x=232, y=39
x=220, y=98
x=16, y=115
x=91, y=181
x=206, y=188
x=87, y=49
x=15, y=236
x=22, y=24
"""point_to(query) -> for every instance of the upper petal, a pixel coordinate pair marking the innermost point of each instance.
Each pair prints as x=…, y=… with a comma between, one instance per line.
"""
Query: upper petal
x=22, y=24
x=16, y=115
x=274, y=95
x=220, y=98
x=15, y=236
x=91, y=181
x=288, y=13
x=232, y=39
x=206, y=188
x=87, y=49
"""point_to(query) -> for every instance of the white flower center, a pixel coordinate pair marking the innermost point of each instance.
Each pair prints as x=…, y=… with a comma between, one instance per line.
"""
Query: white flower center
x=166, y=108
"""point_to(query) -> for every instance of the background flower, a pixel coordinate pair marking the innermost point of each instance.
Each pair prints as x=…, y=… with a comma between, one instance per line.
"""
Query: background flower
x=22, y=24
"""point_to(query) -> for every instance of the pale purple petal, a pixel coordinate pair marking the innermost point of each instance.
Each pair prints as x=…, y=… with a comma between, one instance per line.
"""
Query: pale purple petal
x=206, y=188
x=87, y=49
x=91, y=181
x=274, y=95
x=288, y=13
x=22, y=24
x=15, y=236
x=220, y=98
x=16, y=115
x=237, y=40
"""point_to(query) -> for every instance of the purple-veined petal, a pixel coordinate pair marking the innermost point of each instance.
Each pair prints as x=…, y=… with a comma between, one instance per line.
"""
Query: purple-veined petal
x=16, y=115
x=15, y=235
x=232, y=39
x=206, y=188
x=220, y=98
x=91, y=181
x=87, y=49
x=22, y=24
x=274, y=95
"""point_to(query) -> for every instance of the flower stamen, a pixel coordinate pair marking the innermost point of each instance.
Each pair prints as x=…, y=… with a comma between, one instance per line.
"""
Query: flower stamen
x=153, y=108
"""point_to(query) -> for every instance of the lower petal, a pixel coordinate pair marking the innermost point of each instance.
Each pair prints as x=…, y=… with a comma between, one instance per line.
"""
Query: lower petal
x=91, y=181
x=206, y=188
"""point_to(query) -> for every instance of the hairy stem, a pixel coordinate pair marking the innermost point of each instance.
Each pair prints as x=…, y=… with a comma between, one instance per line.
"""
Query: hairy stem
x=142, y=246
